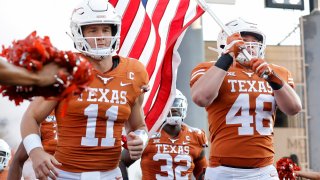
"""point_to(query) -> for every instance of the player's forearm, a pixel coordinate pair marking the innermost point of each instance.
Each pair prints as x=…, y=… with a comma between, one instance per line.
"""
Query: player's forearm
x=288, y=100
x=200, y=165
x=30, y=135
x=200, y=168
x=142, y=126
x=124, y=170
x=36, y=112
x=28, y=125
x=136, y=119
x=137, y=124
x=15, y=170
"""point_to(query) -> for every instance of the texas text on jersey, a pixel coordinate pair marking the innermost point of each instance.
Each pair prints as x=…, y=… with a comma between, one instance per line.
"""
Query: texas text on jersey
x=173, y=158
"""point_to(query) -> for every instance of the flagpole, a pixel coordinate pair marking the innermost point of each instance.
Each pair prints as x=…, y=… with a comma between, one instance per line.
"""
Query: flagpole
x=205, y=7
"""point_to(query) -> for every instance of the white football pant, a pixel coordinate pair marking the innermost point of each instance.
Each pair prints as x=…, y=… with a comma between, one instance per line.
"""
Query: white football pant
x=228, y=173
x=95, y=175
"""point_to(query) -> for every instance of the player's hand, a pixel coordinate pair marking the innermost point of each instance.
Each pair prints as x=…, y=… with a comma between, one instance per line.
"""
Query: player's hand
x=135, y=146
x=263, y=70
x=50, y=73
x=260, y=67
x=234, y=44
x=43, y=164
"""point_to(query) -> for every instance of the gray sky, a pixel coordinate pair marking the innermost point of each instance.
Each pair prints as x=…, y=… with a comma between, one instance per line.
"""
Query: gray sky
x=18, y=18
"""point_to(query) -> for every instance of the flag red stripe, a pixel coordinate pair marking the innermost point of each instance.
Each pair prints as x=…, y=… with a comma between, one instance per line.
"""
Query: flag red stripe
x=113, y=2
x=175, y=27
x=128, y=18
x=141, y=39
x=153, y=91
x=156, y=19
x=164, y=90
x=166, y=71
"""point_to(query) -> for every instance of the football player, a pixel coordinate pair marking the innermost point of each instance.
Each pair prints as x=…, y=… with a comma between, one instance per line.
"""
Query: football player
x=176, y=151
x=19, y=165
x=90, y=125
x=5, y=156
x=241, y=97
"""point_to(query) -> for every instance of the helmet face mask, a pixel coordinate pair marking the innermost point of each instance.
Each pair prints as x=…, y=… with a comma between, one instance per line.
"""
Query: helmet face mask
x=178, y=110
x=256, y=49
x=90, y=13
x=5, y=154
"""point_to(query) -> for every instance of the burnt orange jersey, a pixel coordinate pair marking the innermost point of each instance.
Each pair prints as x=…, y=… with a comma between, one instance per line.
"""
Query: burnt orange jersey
x=48, y=129
x=241, y=118
x=4, y=174
x=172, y=158
x=89, y=134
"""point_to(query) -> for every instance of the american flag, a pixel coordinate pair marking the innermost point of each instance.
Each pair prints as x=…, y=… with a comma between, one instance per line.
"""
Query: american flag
x=151, y=32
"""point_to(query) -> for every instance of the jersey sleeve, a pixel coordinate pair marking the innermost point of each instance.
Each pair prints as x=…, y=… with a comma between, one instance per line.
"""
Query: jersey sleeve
x=284, y=74
x=202, y=138
x=48, y=130
x=290, y=80
x=199, y=71
x=141, y=76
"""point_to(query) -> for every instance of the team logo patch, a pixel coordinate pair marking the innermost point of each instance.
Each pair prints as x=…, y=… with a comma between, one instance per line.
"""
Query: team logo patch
x=130, y=75
x=231, y=73
x=173, y=140
x=185, y=143
x=156, y=141
x=248, y=73
x=124, y=84
x=105, y=80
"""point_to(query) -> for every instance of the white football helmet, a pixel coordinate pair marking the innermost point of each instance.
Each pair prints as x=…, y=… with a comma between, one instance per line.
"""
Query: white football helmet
x=178, y=110
x=95, y=12
x=255, y=49
x=5, y=154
